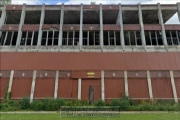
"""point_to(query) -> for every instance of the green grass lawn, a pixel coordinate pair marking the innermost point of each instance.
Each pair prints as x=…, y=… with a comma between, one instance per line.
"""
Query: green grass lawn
x=56, y=116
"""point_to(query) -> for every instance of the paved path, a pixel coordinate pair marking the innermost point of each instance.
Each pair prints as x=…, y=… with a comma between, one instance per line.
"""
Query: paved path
x=55, y=112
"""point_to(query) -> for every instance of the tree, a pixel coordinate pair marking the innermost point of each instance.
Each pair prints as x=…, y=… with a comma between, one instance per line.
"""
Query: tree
x=2, y=2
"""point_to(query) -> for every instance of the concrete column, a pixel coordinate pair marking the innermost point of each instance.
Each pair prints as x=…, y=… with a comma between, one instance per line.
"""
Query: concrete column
x=101, y=27
x=33, y=86
x=149, y=85
x=121, y=27
x=60, y=26
x=3, y=16
x=40, y=26
x=102, y=86
x=178, y=10
x=79, y=88
x=56, y=85
x=142, y=26
x=80, y=30
x=23, y=13
x=126, y=83
x=162, y=26
x=173, y=87
x=10, y=84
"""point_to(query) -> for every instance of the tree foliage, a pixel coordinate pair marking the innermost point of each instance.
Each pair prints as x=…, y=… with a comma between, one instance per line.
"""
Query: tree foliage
x=5, y=2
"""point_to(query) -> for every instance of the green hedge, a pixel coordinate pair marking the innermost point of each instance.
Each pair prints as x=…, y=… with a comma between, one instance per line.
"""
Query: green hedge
x=125, y=104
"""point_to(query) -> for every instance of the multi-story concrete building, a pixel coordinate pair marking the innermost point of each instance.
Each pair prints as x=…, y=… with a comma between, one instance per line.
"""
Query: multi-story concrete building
x=61, y=50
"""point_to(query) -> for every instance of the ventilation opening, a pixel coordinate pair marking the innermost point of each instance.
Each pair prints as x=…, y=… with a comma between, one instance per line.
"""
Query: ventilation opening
x=128, y=15
x=150, y=16
x=52, y=17
x=13, y=17
x=32, y=17
x=110, y=16
x=91, y=17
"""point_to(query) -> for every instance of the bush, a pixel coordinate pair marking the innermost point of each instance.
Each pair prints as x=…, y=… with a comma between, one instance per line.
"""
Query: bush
x=25, y=103
x=47, y=104
x=57, y=103
x=100, y=103
x=115, y=102
x=10, y=105
x=36, y=105
x=125, y=103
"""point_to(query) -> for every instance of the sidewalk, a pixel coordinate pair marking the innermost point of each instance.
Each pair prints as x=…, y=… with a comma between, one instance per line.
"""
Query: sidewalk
x=123, y=112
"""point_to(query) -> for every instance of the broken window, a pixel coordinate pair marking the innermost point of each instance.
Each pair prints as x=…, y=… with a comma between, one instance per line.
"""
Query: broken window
x=8, y=38
x=173, y=37
x=112, y=38
x=70, y=38
x=153, y=38
x=29, y=38
x=132, y=38
x=50, y=38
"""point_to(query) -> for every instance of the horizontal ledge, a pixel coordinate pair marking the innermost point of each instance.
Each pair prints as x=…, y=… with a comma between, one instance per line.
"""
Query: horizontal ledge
x=90, y=27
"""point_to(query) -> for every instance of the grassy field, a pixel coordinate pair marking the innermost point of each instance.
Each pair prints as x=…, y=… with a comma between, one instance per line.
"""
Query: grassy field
x=56, y=116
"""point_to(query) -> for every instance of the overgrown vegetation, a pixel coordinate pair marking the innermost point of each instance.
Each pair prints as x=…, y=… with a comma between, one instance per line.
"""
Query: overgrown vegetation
x=125, y=104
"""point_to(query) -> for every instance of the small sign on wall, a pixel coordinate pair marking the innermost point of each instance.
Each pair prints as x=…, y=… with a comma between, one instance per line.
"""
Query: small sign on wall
x=90, y=74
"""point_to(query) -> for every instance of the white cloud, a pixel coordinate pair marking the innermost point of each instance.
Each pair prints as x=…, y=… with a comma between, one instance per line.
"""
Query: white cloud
x=121, y=1
x=33, y=2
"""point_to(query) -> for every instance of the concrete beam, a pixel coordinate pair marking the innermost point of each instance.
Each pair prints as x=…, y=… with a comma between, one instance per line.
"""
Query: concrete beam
x=162, y=26
x=23, y=13
x=2, y=20
x=80, y=29
x=178, y=10
x=142, y=26
x=126, y=83
x=33, y=86
x=101, y=27
x=173, y=87
x=102, y=86
x=40, y=26
x=149, y=85
x=79, y=88
x=56, y=85
x=60, y=26
x=10, y=84
x=121, y=27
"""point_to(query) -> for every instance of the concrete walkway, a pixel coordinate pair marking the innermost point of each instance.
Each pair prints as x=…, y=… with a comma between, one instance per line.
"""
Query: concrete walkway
x=123, y=112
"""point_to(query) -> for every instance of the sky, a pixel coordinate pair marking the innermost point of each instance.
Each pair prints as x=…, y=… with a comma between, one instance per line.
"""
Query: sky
x=97, y=1
x=173, y=20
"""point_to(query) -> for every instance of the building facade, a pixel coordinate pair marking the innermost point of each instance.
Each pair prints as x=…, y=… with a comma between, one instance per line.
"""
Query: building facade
x=64, y=50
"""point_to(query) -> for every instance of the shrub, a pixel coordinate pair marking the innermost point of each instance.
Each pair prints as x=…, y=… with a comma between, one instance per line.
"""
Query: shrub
x=57, y=103
x=125, y=103
x=100, y=103
x=115, y=102
x=36, y=105
x=47, y=104
x=25, y=103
